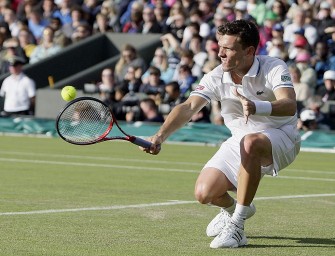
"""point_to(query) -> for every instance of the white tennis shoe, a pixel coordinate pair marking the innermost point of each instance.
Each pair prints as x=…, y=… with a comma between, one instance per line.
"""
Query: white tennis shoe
x=220, y=221
x=230, y=237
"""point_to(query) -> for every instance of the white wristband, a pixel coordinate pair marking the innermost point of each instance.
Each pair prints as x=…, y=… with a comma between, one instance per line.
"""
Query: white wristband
x=263, y=108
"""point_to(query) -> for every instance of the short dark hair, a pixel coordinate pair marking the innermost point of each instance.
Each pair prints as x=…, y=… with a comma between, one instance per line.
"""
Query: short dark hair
x=246, y=30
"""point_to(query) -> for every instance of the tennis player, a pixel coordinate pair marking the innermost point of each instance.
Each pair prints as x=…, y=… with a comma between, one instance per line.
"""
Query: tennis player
x=259, y=107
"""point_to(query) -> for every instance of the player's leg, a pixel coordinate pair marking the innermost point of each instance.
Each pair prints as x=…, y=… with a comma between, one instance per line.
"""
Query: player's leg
x=255, y=152
x=217, y=178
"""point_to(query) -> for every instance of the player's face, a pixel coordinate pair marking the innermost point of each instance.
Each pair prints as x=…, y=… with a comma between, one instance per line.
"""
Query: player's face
x=232, y=56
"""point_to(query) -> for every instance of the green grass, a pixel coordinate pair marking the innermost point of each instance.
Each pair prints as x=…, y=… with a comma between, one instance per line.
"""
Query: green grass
x=39, y=174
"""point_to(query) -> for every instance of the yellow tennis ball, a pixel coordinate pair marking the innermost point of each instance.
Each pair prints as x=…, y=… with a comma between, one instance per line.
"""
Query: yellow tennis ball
x=68, y=93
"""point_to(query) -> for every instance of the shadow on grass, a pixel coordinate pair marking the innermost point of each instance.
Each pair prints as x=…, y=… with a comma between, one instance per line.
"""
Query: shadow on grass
x=301, y=242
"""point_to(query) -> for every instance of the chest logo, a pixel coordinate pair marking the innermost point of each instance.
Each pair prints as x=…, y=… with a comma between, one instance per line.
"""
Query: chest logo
x=259, y=92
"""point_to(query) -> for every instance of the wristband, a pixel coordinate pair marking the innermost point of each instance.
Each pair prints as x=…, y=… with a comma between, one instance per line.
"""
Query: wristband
x=263, y=108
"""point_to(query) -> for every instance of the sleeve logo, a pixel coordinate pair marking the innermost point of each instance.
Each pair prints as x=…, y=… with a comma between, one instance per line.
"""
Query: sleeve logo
x=285, y=78
x=200, y=88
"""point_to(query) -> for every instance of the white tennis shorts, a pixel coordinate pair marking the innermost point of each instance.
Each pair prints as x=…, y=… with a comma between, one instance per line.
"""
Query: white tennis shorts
x=285, y=147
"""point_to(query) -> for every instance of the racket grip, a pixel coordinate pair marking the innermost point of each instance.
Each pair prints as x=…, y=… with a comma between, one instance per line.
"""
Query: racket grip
x=141, y=142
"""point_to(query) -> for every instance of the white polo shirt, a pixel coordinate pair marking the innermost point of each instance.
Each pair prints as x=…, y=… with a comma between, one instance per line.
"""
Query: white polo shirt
x=17, y=91
x=265, y=76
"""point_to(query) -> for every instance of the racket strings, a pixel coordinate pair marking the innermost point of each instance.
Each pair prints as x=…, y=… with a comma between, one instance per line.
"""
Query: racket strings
x=85, y=121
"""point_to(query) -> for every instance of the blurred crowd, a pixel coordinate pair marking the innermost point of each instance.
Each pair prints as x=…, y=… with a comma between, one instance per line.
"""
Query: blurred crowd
x=301, y=32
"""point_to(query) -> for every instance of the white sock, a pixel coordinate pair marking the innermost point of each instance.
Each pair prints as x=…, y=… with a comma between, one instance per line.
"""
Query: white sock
x=231, y=208
x=240, y=215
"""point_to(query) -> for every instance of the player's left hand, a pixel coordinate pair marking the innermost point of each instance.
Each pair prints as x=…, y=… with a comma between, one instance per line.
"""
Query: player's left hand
x=248, y=106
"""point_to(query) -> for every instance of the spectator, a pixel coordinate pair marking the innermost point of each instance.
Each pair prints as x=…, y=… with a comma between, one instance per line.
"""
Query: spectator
x=307, y=121
x=308, y=74
x=297, y=24
x=203, y=116
x=302, y=90
x=134, y=25
x=11, y=48
x=160, y=61
x=323, y=19
x=12, y=21
x=150, y=25
x=48, y=9
x=132, y=80
x=280, y=7
x=186, y=58
x=185, y=80
x=161, y=16
x=109, y=10
x=241, y=11
x=46, y=47
x=64, y=11
x=77, y=18
x=18, y=90
x=327, y=90
x=26, y=41
x=81, y=32
x=133, y=7
x=155, y=85
x=315, y=103
x=199, y=55
x=91, y=8
x=129, y=57
x=150, y=111
x=172, y=97
x=106, y=86
x=36, y=24
x=59, y=36
x=321, y=61
x=177, y=25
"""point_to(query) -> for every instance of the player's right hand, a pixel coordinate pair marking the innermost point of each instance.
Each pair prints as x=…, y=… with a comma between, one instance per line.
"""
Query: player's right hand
x=156, y=141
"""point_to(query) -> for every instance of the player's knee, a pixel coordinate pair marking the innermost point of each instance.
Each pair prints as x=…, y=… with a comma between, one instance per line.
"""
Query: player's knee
x=202, y=194
x=251, y=144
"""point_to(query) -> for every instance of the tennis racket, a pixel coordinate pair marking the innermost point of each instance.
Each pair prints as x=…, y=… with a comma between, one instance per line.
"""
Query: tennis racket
x=87, y=120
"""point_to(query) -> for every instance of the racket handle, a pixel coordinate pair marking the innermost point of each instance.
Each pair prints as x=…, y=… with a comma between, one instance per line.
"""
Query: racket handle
x=141, y=142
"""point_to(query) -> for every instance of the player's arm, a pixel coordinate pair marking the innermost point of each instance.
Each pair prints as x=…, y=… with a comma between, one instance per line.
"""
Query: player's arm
x=178, y=117
x=285, y=103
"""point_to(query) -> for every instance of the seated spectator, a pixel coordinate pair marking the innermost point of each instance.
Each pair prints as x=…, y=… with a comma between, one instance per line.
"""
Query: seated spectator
x=36, y=24
x=203, y=116
x=172, y=97
x=91, y=8
x=302, y=90
x=26, y=41
x=308, y=74
x=81, y=32
x=186, y=58
x=46, y=47
x=63, y=11
x=134, y=25
x=106, y=86
x=321, y=61
x=129, y=57
x=11, y=48
x=315, y=103
x=185, y=80
x=150, y=111
x=155, y=85
x=77, y=18
x=327, y=90
x=48, y=9
x=18, y=90
x=9, y=16
x=149, y=25
x=146, y=111
x=307, y=121
x=132, y=80
x=160, y=61
x=59, y=36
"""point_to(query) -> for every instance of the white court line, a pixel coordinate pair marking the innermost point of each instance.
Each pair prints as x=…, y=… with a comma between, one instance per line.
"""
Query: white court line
x=175, y=202
x=144, y=168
